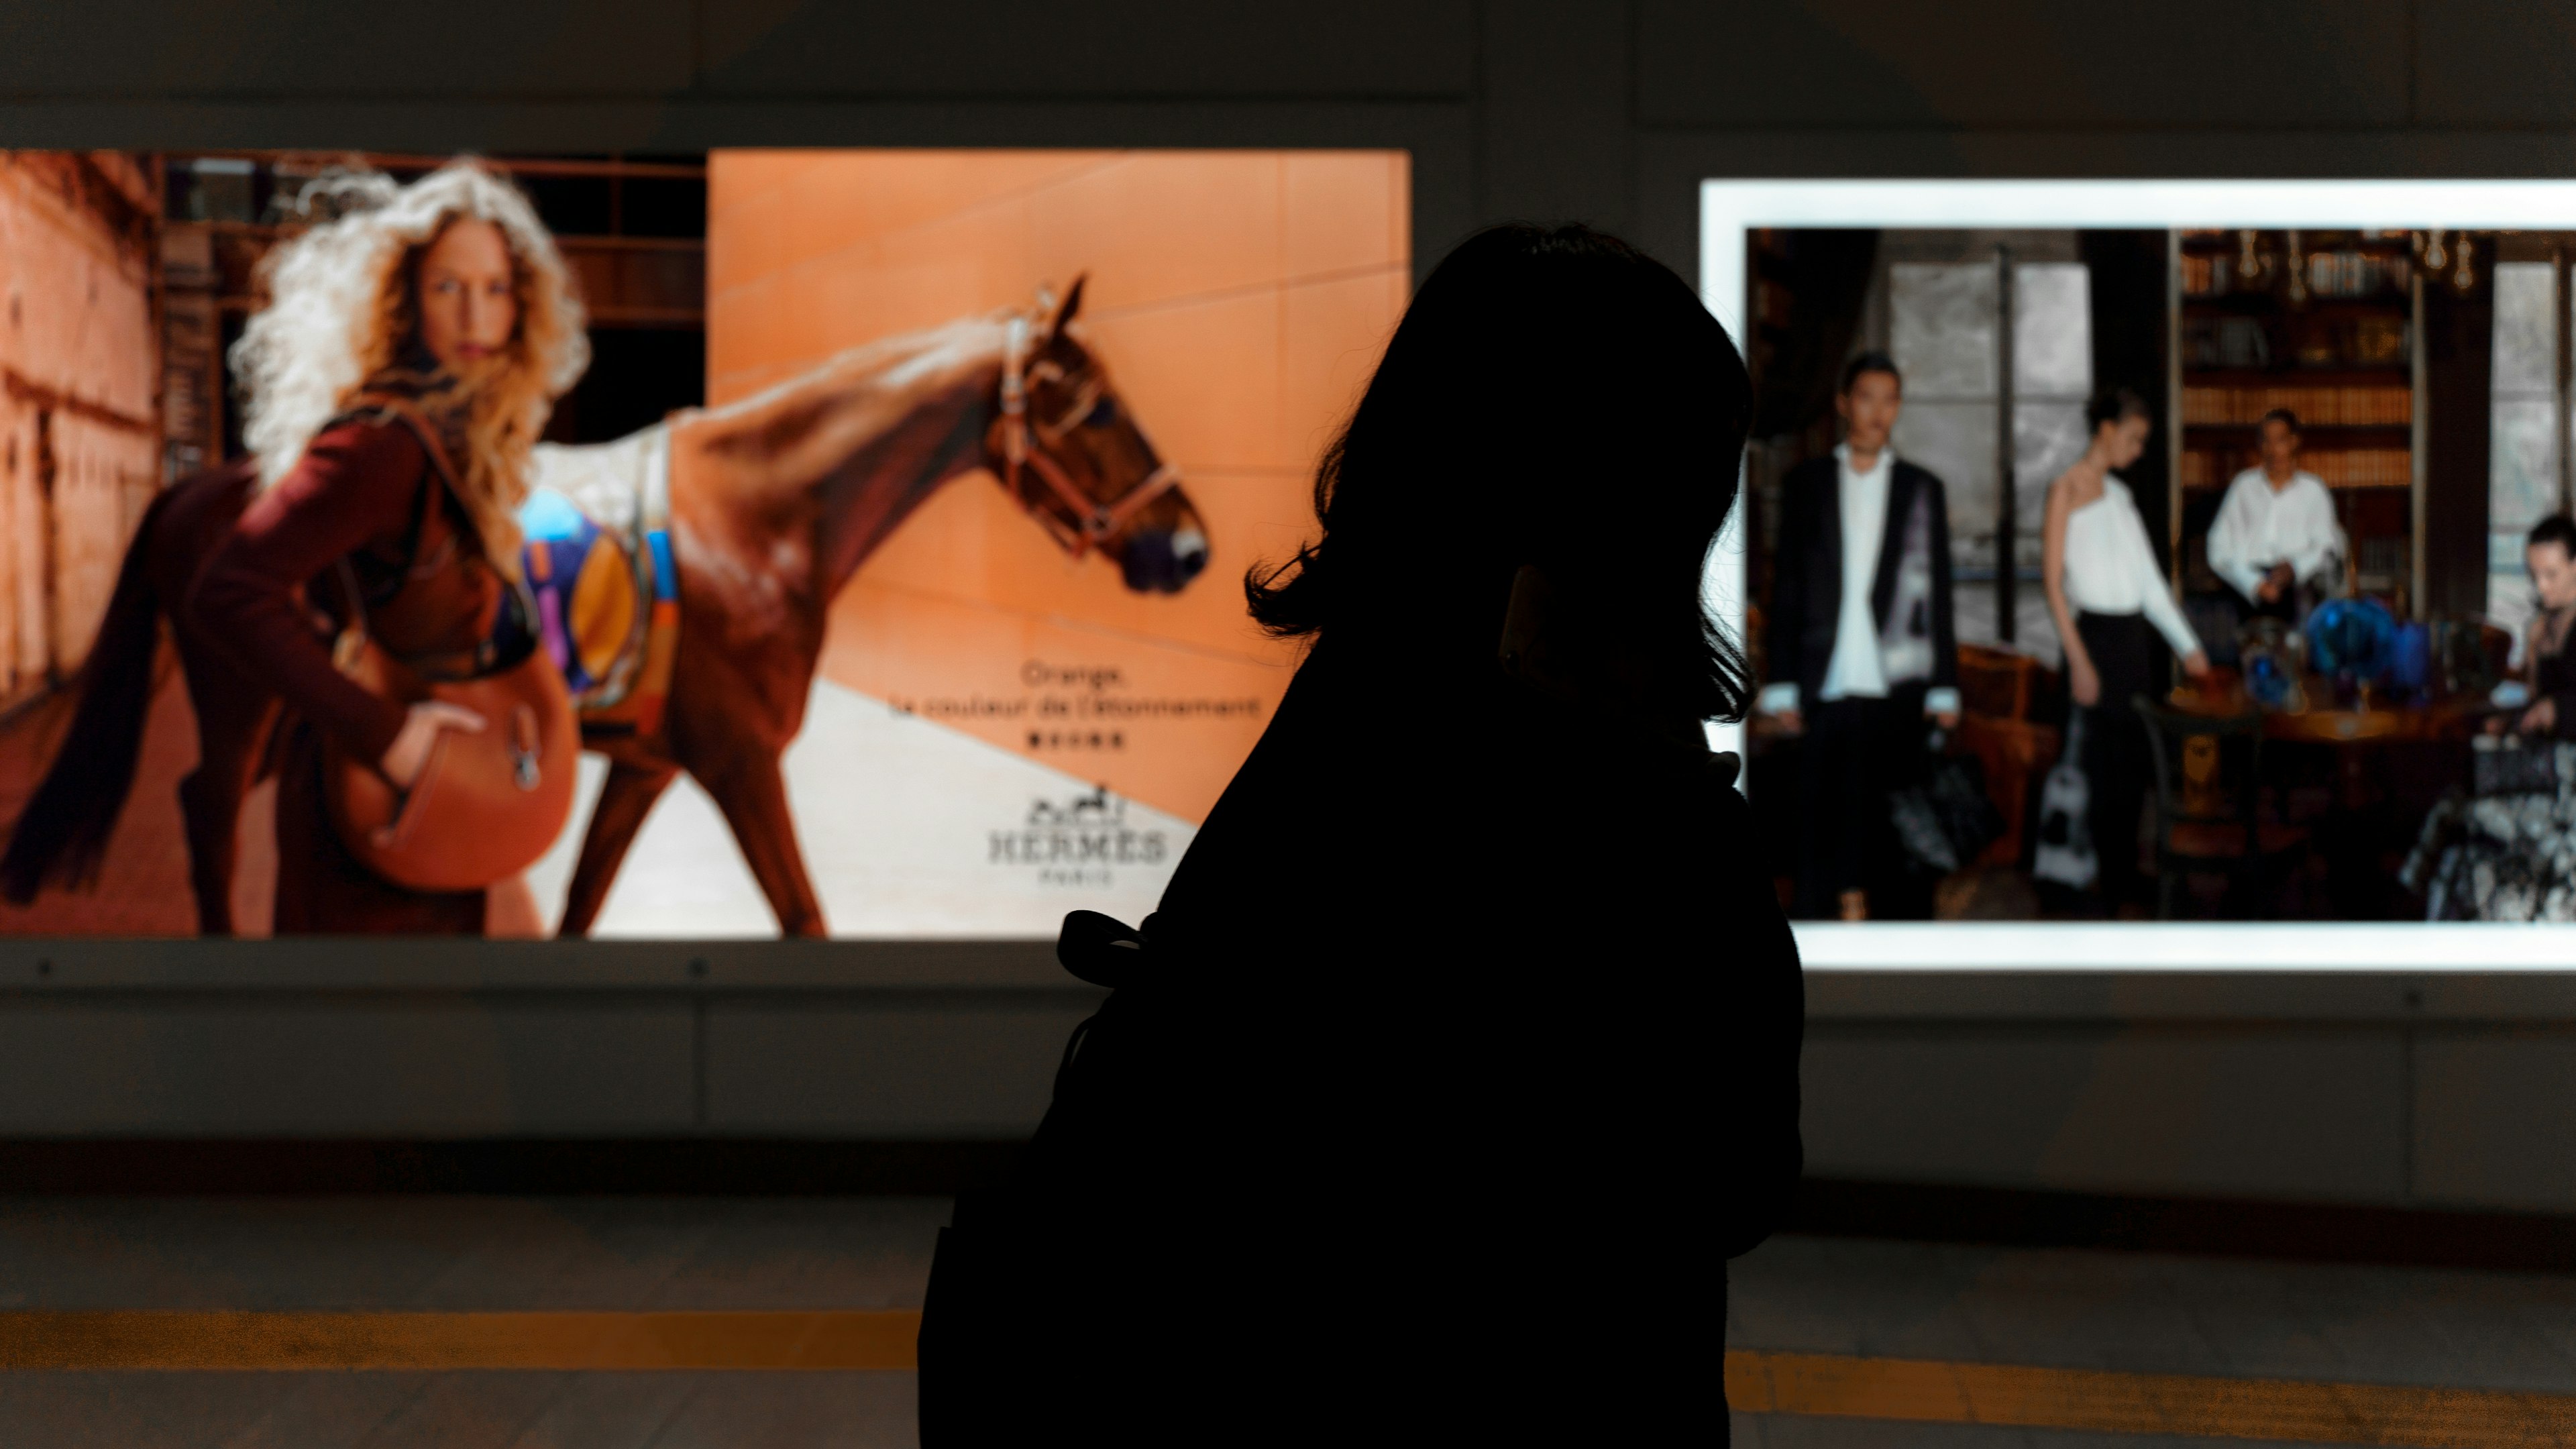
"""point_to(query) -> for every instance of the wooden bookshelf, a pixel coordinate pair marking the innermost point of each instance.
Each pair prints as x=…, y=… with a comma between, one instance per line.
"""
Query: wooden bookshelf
x=2327, y=325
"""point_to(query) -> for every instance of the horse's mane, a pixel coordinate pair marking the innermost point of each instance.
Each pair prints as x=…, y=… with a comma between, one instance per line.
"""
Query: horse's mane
x=885, y=356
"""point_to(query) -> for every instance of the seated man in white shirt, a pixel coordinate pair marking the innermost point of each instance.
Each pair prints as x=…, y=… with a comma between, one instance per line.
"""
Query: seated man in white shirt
x=1860, y=648
x=2276, y=541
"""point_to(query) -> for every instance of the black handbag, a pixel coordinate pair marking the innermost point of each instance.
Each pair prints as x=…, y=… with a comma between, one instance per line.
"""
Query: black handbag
x=1944, y=819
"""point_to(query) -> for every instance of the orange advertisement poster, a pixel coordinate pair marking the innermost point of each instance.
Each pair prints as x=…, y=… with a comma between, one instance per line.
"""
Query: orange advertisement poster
x=1005, y=725
x=887, y=533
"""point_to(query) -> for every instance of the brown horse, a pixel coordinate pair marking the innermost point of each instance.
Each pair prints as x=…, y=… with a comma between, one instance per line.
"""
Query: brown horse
x=774, y=502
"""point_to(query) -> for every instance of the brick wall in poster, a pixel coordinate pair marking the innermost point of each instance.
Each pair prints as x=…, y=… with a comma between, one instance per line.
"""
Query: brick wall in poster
x=1240, y=300
x=79, y=448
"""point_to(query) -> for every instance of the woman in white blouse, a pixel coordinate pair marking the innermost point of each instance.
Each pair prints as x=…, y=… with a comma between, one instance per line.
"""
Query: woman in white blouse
x=2105, y=590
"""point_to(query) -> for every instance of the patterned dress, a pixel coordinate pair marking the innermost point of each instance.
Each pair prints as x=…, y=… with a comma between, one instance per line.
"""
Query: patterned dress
x=2506, y=850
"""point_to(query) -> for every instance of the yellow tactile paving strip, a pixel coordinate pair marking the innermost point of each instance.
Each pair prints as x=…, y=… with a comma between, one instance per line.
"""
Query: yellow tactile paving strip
x=2225, y=1408
x=1819, y=1385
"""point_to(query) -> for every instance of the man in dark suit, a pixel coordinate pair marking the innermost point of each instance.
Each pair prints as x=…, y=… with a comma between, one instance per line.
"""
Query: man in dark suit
x=1860, y=646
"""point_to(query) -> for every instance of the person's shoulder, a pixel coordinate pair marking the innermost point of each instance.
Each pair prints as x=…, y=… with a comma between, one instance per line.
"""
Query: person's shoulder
x=367, y=457
x=2314, y=486
x=1918, y=475
x=1666, y=805
x=370, y=438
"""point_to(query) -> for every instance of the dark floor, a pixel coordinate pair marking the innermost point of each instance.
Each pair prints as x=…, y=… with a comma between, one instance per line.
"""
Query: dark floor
x=2137, y=1313
x=1864, y=1300
x=462, y=1254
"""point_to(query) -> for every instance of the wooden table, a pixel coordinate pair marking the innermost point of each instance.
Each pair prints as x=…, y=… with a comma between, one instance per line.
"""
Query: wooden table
x=2360, y=739
x=2321, y=723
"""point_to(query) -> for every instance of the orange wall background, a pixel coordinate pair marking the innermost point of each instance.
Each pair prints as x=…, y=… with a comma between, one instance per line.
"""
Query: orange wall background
x=1239, y=299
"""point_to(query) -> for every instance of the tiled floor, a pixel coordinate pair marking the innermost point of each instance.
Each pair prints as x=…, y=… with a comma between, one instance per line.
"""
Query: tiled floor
x=2137, y=1313
x=1770, y=1432
x=467, y=1252
x=2146, y=1313
x=457, y=1411
x=2131, y=1313
x=462, y=1253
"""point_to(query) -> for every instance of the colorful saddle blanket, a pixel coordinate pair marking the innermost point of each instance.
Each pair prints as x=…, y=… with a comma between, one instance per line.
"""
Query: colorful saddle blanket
x=597, y=560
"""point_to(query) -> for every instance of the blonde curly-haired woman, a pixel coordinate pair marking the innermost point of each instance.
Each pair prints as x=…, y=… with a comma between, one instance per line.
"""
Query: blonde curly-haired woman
x=397, y=382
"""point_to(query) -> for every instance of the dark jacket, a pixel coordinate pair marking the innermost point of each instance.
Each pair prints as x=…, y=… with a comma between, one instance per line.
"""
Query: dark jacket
x=1465, y=1017
x=1807, y=582
x=2554, y=678
x=365, y=490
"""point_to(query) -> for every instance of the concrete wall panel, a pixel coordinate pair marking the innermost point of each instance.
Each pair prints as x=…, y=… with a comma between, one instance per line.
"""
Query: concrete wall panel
x=2495, y=63
x=2495, y=1119
x=1125, y=49
x=323, y=47
x=395, y=1066
x=891, y=1071
x=2285, y=1114
x=2191, y=64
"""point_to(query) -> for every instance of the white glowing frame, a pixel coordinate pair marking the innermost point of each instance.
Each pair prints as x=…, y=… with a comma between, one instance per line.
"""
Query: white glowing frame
x=1728, y=209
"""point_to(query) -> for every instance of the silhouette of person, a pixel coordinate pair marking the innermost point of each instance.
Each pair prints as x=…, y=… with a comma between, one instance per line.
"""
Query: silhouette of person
x=1462, y=1049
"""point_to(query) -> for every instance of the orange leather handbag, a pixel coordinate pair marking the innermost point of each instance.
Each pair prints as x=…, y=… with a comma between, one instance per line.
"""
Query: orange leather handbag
x=488, y=802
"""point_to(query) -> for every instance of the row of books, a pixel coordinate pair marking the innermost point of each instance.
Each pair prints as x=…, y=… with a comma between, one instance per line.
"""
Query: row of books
x=2305, y=341
x=2336, y=467
x=2327, y=274
x=2356, y=274
x=2314, y=406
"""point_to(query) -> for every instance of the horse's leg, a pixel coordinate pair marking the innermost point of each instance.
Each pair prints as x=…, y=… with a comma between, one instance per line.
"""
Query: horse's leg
x=624, y=801
x=232, y=717
x=753, y=795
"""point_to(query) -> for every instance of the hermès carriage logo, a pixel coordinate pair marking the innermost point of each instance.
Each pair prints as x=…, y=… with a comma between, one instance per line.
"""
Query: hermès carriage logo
x=1078, y=842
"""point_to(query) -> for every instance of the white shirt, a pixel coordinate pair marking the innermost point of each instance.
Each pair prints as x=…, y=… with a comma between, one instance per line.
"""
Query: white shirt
x=2111, y=569
x=1856, y=669
x=2257, y=528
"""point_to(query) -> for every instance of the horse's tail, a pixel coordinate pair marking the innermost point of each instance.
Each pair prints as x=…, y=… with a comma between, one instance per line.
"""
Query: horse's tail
x=62, y=834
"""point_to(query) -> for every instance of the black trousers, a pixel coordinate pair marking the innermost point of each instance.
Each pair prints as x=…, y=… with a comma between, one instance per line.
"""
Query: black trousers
x=2116, y=765
x=1855, y=754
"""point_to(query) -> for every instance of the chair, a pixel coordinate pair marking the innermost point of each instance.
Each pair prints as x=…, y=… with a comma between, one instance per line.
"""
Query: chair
x=2495, y=646
x=1997, y=689
x=1997, y=683
x=2208, y=815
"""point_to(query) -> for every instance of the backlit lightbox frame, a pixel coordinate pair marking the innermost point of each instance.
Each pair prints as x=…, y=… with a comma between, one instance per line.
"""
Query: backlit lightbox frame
x=1729, y=209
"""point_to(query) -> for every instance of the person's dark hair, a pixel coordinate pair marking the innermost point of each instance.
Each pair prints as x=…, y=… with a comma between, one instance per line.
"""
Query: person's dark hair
x=1554, y=397
x=2115, y=405
x=2557, y=528
x=2283, y=416
x=1869, y=362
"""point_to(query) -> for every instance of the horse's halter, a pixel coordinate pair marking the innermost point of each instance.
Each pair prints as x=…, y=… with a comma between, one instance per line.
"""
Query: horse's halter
x=1093, y=522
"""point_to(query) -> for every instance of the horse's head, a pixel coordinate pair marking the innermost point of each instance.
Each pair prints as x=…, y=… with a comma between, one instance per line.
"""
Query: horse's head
x=1069, y=449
